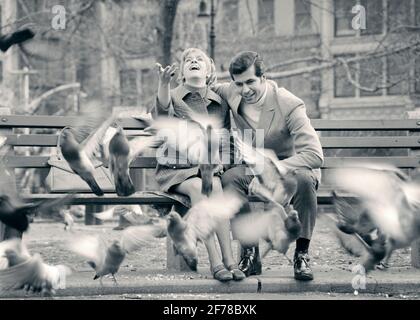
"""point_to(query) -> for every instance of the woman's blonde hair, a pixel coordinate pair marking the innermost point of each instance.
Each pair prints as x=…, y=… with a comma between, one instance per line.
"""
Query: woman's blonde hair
x=211, y=68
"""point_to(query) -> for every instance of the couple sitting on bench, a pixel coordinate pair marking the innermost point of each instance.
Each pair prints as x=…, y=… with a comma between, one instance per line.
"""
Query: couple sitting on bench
x=257, y=104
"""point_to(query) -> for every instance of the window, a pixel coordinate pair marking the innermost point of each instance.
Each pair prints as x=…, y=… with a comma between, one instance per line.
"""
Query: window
x=398, y=14
x=343, y=18
x=266, y=15
x=371, y=76
x=129, y=87
x=417, y=11
x=342, y=87
x=303, y=18
x=392, y=73
x=398, y=71
x=138, y=87
x=149, y=83
x=374, y=17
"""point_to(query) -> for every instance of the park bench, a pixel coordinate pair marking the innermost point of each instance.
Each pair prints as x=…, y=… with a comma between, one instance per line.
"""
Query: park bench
x=343, y=141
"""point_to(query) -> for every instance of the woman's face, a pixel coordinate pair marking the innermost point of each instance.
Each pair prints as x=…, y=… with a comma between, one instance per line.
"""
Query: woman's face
x=195, y=65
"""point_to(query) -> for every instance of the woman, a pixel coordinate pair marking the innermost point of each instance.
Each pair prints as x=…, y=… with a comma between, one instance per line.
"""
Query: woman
x=193, y=96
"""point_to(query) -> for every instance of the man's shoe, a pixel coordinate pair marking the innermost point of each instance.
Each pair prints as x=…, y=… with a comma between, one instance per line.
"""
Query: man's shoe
x=303, y=271
x=250, y=263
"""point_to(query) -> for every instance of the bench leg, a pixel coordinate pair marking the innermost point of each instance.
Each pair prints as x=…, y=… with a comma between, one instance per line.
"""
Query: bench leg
x=89, y=214
x=174, y=262
x=415, y=254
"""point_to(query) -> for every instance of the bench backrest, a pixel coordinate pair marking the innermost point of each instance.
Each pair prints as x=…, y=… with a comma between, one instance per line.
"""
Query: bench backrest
x=403, y=138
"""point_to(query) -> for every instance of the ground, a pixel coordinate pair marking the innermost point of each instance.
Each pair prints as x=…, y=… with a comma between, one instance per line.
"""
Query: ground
x=50, y=240
x=146, y=267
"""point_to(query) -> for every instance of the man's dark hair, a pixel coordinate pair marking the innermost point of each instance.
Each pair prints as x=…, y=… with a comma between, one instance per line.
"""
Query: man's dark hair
x=244, y=60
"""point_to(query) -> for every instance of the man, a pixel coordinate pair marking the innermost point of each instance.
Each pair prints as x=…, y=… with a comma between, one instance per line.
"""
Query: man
x=258, y=103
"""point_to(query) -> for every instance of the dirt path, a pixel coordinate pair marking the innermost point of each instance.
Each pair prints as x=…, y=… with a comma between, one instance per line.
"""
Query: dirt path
x=49, y=239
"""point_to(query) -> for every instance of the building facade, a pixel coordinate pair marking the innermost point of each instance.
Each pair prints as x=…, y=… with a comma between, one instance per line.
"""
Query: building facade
x=300, y=40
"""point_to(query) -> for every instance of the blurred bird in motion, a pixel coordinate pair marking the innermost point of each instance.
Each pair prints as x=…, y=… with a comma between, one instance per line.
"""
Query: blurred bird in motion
x=62, y=215
x=370, y=246
x=198, y=141
x=80, y=156
x=107, y=258
x=276, y=225
x=121, y=153
x=199, y=222
x=390, y=202
x=129, y=215
x=23, y=271
x=14, y=212
x=271, y=183
x=17, y=37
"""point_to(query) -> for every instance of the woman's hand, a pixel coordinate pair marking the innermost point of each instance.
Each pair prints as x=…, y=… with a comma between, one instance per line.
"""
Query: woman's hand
x=165, y=75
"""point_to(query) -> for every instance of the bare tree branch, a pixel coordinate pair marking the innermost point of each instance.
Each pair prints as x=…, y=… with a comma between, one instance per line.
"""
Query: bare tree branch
x=34, y=105
x=294, y=61
x=333, y=62
x=359, y=86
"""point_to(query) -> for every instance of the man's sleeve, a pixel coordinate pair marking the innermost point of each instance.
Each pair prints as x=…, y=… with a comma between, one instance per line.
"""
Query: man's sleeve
x=306, y=141
x=221, y=89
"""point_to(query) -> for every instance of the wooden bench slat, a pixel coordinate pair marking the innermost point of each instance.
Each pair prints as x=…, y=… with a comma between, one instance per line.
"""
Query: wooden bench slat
x=339, y=125
x=370, y=142
x=25, y=121
x=401, y=162
x=150, y=162
x=55, y=122
x=30, y=140
x=140, y=197
x=50, y=140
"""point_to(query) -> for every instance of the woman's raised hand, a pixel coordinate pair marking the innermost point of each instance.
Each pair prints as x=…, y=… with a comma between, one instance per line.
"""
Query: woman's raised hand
x=166, y=74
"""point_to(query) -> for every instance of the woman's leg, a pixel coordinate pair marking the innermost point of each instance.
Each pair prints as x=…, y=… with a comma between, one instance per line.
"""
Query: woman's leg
x=225, y=242
x=192, y=189
x=223, y=231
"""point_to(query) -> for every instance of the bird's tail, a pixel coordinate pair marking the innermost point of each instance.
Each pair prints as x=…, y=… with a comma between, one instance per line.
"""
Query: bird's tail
x=123, y=185
x=94, y=186
x=206, y=179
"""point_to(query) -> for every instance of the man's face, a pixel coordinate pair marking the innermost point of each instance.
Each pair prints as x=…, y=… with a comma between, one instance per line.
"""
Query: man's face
x=249, y=86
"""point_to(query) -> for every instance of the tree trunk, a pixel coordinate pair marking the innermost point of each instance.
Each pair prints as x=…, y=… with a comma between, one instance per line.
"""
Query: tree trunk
x=167, y=17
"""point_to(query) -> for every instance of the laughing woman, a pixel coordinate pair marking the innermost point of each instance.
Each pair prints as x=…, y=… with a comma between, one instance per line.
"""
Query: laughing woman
x=193, y=96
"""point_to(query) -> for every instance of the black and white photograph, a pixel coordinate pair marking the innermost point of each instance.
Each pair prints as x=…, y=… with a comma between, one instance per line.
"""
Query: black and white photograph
x=225, y=151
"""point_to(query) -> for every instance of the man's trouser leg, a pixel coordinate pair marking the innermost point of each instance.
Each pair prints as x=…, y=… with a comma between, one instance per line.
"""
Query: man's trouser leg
x=239, y=179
